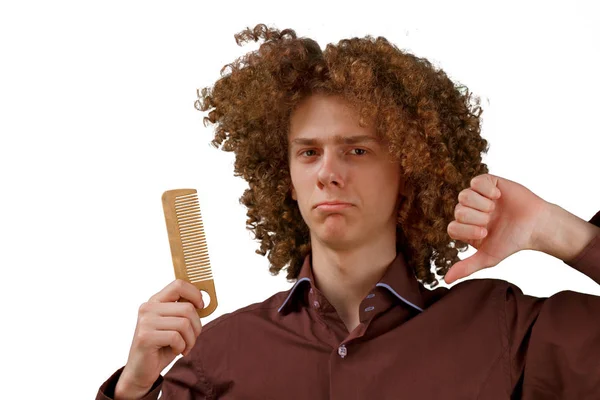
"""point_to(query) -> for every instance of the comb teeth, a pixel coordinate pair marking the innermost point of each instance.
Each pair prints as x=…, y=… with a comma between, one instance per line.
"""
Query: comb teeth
x=188, y=243
x=193, y=240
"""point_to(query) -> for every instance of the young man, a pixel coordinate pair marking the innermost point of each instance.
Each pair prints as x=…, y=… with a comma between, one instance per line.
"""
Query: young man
x=358, y=324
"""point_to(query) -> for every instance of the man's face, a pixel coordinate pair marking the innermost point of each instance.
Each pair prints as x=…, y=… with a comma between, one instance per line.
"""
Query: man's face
x=358, y=172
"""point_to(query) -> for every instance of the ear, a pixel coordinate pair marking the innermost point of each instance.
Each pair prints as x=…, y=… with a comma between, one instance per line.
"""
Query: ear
x=294, y=193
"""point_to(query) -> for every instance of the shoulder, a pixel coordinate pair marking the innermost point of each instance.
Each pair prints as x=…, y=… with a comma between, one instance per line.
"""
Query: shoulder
x=497, y=290
x=465, y=289
x=482, y=286
x=477, y=293
x=236, y=336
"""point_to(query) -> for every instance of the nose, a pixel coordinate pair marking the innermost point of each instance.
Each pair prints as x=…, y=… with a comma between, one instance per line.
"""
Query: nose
x=331, y=170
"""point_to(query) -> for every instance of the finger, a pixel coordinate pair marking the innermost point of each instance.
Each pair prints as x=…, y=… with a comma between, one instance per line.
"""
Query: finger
x=471, y=198
x=182, y=310
x=465, y=232
x=486, y=185
x=158, y=339
x=179, y=289
x=181, y=325
x=468, y=215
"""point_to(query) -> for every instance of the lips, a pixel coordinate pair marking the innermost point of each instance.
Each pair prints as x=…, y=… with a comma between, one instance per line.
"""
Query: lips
x=333, y=204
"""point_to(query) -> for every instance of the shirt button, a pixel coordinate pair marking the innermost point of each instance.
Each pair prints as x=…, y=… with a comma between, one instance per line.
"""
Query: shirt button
x=316, y=304
x=342, y=351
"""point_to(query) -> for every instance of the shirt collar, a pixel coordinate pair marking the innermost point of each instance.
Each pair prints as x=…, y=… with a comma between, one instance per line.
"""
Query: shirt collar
x=398, y=279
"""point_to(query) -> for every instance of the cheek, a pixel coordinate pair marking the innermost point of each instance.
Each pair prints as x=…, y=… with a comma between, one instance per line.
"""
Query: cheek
x=300, y=178
x=298, y=188
x=386, y=187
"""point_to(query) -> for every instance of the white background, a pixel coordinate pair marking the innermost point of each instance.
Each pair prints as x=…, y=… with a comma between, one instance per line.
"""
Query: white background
x=97, y=120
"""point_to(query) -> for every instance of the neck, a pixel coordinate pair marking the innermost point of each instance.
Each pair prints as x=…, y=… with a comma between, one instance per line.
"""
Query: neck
x=346, y=276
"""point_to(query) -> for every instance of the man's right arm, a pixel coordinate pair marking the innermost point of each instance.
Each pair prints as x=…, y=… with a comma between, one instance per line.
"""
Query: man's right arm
x=185, y=380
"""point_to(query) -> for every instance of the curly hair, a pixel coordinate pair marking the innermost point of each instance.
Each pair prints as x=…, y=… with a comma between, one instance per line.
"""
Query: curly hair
x=431, y=126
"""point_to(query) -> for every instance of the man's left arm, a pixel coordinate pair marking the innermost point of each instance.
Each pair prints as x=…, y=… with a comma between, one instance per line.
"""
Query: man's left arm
x=552, y=344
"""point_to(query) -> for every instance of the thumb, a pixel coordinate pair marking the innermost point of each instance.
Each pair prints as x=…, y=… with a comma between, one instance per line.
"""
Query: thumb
x=466, y=267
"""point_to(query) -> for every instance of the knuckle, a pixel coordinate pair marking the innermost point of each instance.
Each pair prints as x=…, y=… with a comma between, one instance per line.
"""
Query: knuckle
x=143, y=336
x=455, y=230
x=176, y=338
x=179, y=346
x=182, y=344
x=459, y=212
x=450, y=228
x=190, y=308
x=185, y=324
x=143, y=308
x=142, y=320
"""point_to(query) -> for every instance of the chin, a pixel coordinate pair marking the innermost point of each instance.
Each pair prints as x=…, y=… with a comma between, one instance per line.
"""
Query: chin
x=334, y=235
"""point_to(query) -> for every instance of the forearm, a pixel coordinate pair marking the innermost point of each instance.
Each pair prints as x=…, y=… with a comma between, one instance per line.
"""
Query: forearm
x=562, y=234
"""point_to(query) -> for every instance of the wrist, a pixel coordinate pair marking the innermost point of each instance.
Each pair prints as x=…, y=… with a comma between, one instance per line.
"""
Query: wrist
x=542, y=233
x=562, y=234
x=127, y=390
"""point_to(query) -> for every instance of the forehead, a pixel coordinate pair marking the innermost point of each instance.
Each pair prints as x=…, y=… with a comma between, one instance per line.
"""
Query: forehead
x=326, y=118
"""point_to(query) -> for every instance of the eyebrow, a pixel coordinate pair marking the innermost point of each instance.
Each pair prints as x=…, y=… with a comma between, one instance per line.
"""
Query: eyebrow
x=337, y=139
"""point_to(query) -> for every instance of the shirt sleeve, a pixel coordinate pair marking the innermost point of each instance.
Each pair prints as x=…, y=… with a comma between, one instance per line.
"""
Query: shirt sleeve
x=107, y=389
x=553, y=344
x=588, y=261
x=184, y=381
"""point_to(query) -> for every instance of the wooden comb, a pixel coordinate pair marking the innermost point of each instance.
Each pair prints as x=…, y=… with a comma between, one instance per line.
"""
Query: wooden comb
x=188, y=243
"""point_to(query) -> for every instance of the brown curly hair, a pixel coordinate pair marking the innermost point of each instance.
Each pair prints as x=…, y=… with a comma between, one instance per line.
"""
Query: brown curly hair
x=431, y=126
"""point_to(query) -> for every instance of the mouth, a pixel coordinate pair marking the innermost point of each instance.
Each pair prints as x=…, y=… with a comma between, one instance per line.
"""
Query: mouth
x=332, y=206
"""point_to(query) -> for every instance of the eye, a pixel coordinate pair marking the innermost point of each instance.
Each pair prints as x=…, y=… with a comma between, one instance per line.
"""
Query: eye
x=302, y=152
x=359, y=149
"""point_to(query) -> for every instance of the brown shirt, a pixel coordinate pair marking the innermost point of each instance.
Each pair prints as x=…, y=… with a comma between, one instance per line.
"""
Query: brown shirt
x=480, y=339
